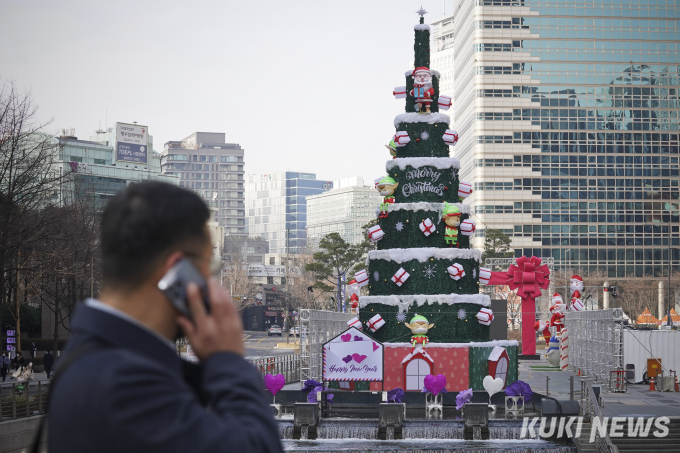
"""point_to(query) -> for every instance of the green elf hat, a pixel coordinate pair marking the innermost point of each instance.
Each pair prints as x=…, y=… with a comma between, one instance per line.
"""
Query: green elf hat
x=386, y=180
x=450, y=211
x=418, y=318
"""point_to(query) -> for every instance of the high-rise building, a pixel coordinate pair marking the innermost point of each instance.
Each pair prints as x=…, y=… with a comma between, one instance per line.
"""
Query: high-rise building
x=276, y=206
x=213, y=168
x=568, y=122
x=345, y=209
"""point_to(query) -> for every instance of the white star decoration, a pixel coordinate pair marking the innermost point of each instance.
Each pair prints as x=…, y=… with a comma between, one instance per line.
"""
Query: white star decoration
x=401, y=317
x=421, y=12
x=461, y=314
x=429, y=271
x=399, y=226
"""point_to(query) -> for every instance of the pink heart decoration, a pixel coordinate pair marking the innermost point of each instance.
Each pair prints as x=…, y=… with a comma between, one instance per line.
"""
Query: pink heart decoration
x=435, y=384
x=358, y=358
x=346, y=337
x=274, y=383
x=375, y=346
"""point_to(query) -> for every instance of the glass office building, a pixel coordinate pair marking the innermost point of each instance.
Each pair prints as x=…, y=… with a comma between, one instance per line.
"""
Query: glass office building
x=277, y=203
x=568, y=122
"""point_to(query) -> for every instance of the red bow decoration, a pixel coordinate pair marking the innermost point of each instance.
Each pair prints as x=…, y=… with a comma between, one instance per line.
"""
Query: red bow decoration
x=371, y=325
x=528, y=277
x=428, y=229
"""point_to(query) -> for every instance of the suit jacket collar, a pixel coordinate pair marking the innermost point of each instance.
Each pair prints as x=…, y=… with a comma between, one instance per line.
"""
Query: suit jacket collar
x=121, y=333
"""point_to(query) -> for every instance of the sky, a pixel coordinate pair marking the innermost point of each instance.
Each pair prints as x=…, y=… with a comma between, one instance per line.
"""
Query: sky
x=300, y=85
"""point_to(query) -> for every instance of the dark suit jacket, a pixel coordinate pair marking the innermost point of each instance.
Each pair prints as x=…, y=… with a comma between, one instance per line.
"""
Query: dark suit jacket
x=48, y=359
x=132, y=397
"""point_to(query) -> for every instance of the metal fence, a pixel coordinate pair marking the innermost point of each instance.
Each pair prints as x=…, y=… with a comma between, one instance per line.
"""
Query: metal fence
x=595, y=342
x=591, y=410
x=288, y=365
x=316, y=328
x=24, y=399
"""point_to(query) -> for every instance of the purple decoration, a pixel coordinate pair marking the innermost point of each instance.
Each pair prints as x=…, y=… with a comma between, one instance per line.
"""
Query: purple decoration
x=395, y=395
x=346, y=337
x=519, y=388
x=309, y=385
x=347, y=359
x=274, y=383
x=435, y=384
x=463, y=397
x=358, y=338
x=311, y=398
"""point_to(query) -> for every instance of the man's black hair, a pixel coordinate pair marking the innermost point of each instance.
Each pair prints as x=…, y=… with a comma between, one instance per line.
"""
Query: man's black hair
x=145, y=223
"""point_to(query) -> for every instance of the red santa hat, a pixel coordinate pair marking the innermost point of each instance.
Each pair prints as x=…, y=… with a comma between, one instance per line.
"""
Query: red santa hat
x=421, y=69
x=576, y=277
x=556, y=299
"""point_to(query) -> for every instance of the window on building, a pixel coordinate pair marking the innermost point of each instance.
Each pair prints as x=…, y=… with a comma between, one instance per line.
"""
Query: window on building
x=202, y=158
x=76, y=159
x=270, y=280
x=100, y=161
x=272, y=260
x=416, y=370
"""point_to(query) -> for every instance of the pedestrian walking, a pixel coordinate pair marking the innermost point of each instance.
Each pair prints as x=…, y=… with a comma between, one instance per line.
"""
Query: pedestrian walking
x=34, y=350
x=48, y=362
x=4, y=366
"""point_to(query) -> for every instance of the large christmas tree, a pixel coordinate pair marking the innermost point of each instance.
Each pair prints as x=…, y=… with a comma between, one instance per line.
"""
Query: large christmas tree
x=423, y=279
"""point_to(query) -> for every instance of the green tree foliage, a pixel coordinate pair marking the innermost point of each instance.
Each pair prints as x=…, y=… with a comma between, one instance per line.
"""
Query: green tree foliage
x=496, y=245
x=334, y=258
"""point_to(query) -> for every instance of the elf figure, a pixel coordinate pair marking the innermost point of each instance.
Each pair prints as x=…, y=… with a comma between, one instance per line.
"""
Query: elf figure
x=419, y=326
x=386, y=187
x=451, y=217
x=393, y=149
x=422, y=89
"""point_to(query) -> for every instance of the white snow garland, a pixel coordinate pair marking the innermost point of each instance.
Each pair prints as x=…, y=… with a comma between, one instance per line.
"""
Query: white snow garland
x=423, y=206
x=417, y=351
x=429, y=118
x=421, y=27
x=496, y=353
x=440, y=163
x=405, y=301
x=472, y=344
x=423, y=254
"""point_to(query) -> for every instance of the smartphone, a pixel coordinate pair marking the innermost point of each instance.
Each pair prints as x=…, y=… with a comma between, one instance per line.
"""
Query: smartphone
x=174, y=286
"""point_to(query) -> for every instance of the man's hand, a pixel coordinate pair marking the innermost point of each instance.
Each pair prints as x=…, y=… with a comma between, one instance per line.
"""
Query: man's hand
x=219, y=331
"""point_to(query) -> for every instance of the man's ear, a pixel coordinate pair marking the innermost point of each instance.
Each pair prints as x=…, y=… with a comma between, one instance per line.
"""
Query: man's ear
x=431, y=326
x=396, y=185
x=407, y=325
x=170, y=261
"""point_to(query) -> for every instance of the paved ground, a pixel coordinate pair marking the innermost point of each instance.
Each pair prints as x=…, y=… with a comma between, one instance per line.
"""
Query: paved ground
x=259, y=344
x=638, y=401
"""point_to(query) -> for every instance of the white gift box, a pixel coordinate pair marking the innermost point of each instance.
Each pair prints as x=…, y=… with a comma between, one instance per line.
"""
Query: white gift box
x=401, y=138
x=485, y=316
x=361, y=278
x=427, y=227
x=444, y=102
x=467, y=227
x=354, y=322
x=401, y=276
x=576, y=305
x=375, y=233
x=375, y=323
x=484, y=275
x=464, y=189
x=400, y=92
x=456, y=271
x=450, y=137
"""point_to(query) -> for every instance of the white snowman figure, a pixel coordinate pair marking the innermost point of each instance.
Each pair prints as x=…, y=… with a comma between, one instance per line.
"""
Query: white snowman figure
x=576, y=284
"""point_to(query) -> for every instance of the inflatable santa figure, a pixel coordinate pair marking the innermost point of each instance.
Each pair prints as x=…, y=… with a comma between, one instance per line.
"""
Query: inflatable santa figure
x=544, y=328
x=576, y=283
x=354, y=291
x=422, y=89
x=557, y=319
x=576, y=303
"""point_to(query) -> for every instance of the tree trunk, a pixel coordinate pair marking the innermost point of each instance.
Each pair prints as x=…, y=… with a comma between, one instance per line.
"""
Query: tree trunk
x=17, y=304
x=55, y=343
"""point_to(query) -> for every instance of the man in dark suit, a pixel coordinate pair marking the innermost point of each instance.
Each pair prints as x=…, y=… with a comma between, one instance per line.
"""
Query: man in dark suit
x=48, y=361
x=128, y=394
x=4, y=366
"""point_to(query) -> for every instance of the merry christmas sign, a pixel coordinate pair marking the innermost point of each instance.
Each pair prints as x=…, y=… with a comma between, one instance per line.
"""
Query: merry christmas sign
x=353, y=356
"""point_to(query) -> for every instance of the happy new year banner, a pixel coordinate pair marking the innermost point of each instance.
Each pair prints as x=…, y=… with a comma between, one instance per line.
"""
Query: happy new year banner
x=353, y=356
